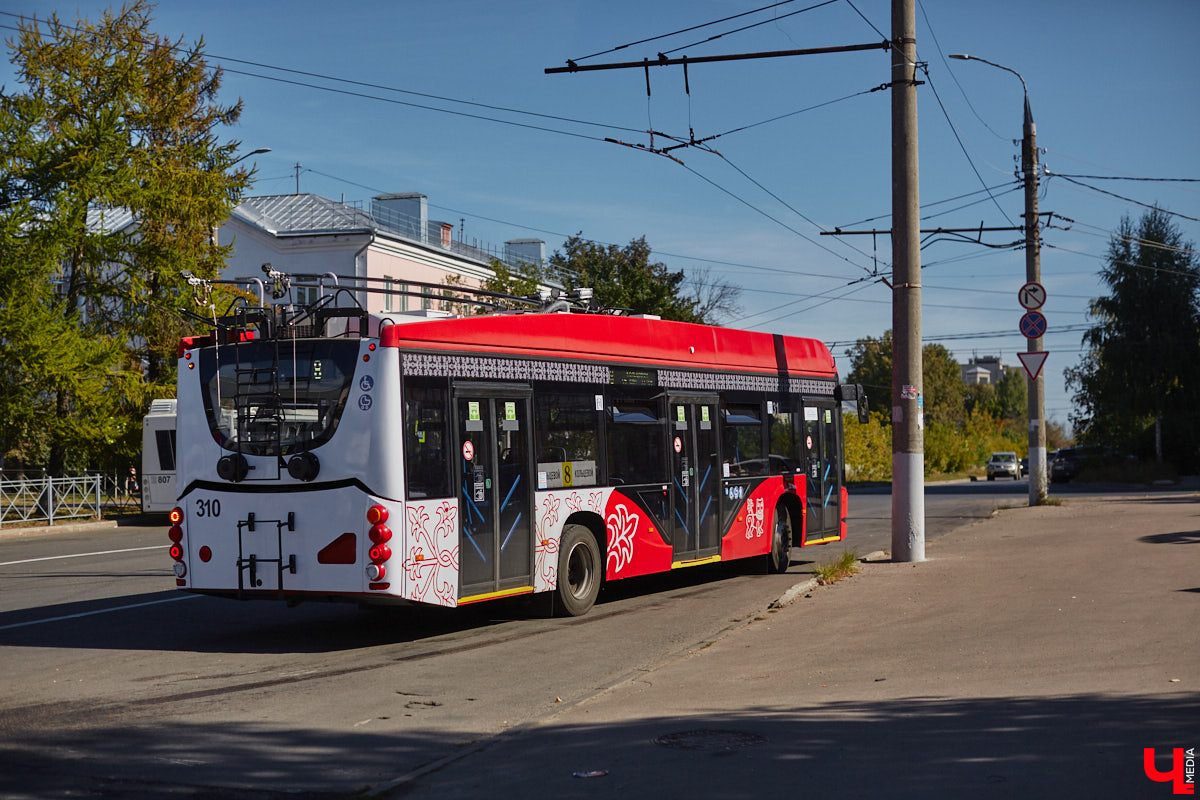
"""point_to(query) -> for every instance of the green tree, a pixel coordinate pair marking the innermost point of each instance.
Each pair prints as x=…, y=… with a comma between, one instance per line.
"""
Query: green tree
x=1136, y=386
x=624, y=278
x=871, y=365
x=113, y=121
x=981, y=398
x=1012, y=395
x=943, y=385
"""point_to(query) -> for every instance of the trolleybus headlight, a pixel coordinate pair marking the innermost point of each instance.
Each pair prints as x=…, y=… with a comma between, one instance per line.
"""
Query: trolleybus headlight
x=233, y=467
x=303, y=467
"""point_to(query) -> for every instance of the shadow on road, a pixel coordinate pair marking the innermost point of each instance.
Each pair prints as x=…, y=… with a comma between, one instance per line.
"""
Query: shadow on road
x=1086, y=745
x=174, y=621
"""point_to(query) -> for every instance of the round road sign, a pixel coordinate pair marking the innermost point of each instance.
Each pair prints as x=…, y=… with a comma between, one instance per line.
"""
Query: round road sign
x=1033, y=325
x=1032, y=296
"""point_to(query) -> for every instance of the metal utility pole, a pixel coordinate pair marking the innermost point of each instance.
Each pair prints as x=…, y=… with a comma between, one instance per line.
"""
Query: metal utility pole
x=908, y=444
x=1033, y=275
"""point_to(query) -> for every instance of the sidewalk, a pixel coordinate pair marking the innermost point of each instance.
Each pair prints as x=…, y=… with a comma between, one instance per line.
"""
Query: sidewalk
x=1033, y=655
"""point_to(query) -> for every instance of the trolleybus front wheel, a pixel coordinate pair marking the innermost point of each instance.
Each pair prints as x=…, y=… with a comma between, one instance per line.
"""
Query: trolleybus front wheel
x=578, y=571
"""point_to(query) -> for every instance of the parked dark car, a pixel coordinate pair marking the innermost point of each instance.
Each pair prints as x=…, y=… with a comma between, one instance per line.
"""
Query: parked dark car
x=1070, y=460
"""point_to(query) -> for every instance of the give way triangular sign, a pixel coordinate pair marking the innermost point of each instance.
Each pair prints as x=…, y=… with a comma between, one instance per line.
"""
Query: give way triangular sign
x=1033, y=363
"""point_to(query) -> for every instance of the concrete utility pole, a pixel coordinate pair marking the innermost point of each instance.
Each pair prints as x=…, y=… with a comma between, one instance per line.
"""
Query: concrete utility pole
x=908, y=444
x=1033, y=274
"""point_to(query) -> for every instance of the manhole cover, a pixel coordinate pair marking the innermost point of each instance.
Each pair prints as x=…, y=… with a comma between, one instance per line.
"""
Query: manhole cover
x=711, y=741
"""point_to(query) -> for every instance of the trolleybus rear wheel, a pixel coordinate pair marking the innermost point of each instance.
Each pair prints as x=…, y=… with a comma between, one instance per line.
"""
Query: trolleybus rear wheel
x=578, y=570
x=780, y=557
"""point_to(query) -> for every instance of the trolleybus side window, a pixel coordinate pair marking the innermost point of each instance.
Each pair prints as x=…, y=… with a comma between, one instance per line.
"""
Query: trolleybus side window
x=567, y=438
x=636, y=442
x=783, y=437
x=426, y=438
x=742, y=439
x=164, y=441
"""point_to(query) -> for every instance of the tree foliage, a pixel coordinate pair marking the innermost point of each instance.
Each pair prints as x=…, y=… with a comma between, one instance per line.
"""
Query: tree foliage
x=114, y=123
x=963, y=423
x=1138, y=376
x=871, y=365
x=624, y=278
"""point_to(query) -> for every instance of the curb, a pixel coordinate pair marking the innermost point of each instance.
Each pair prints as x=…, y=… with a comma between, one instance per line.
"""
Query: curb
x=804, y=587
x=41, y=530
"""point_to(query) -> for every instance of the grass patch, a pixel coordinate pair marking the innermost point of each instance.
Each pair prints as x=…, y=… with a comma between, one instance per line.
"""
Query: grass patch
x=842, y=567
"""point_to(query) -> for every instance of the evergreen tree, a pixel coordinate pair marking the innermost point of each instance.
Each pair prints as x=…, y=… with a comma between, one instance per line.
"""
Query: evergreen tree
x=114, y=121
x=1136, y=387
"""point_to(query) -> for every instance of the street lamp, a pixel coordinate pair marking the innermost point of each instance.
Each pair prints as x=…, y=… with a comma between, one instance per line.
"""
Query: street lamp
x=1033, y=274
x=259, y=151
x=212, y=236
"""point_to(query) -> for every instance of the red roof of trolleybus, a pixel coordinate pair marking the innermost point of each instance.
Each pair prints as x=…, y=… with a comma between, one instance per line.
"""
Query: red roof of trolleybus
x=602, y=337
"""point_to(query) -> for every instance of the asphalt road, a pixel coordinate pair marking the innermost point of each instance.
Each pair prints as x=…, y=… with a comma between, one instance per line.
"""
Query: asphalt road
x=114, y=684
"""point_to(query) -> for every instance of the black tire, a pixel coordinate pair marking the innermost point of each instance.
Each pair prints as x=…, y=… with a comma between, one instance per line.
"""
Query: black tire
x=579, y=571
x=780, y=557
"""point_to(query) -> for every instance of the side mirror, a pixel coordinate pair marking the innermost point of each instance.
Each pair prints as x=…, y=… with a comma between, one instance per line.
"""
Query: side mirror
x=853, y=392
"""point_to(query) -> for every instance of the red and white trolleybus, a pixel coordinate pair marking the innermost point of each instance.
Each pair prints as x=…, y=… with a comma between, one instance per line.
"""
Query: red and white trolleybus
x=329, y=454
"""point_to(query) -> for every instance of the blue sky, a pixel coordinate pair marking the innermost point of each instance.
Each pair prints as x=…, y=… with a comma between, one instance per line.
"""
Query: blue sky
x=1113, y=89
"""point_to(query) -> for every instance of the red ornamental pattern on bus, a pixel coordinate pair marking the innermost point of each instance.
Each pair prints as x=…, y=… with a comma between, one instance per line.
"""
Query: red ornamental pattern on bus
x=431, y=556
x=553, y=511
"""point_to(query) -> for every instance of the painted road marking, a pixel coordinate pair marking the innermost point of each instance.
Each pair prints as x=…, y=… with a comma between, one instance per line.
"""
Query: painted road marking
x=98, y=611
x=84, y=555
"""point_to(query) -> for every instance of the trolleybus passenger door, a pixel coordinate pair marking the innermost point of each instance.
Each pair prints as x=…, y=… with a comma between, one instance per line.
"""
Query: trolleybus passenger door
x=495, y=495
x=824, y=473
x=694, y=477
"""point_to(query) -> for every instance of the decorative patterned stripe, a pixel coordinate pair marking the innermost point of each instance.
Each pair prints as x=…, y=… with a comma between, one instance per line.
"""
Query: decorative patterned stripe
x=518, y=369
x=714, y=381
x=512, y=369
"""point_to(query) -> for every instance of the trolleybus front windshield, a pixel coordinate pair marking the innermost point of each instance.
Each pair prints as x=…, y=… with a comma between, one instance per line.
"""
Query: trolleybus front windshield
x=270, y=398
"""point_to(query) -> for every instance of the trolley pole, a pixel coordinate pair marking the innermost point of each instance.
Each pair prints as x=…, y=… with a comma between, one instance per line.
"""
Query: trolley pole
x=908, y=445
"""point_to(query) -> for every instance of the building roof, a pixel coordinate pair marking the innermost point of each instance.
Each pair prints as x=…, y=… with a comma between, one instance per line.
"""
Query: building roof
x=100, y=219
x=295, y=214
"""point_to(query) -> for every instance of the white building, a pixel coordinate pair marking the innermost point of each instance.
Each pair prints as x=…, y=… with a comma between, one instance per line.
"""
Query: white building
x=394, y=243
x=983, y=369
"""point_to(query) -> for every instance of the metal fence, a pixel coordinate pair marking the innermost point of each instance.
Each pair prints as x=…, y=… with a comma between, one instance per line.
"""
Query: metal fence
x=51, y=500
